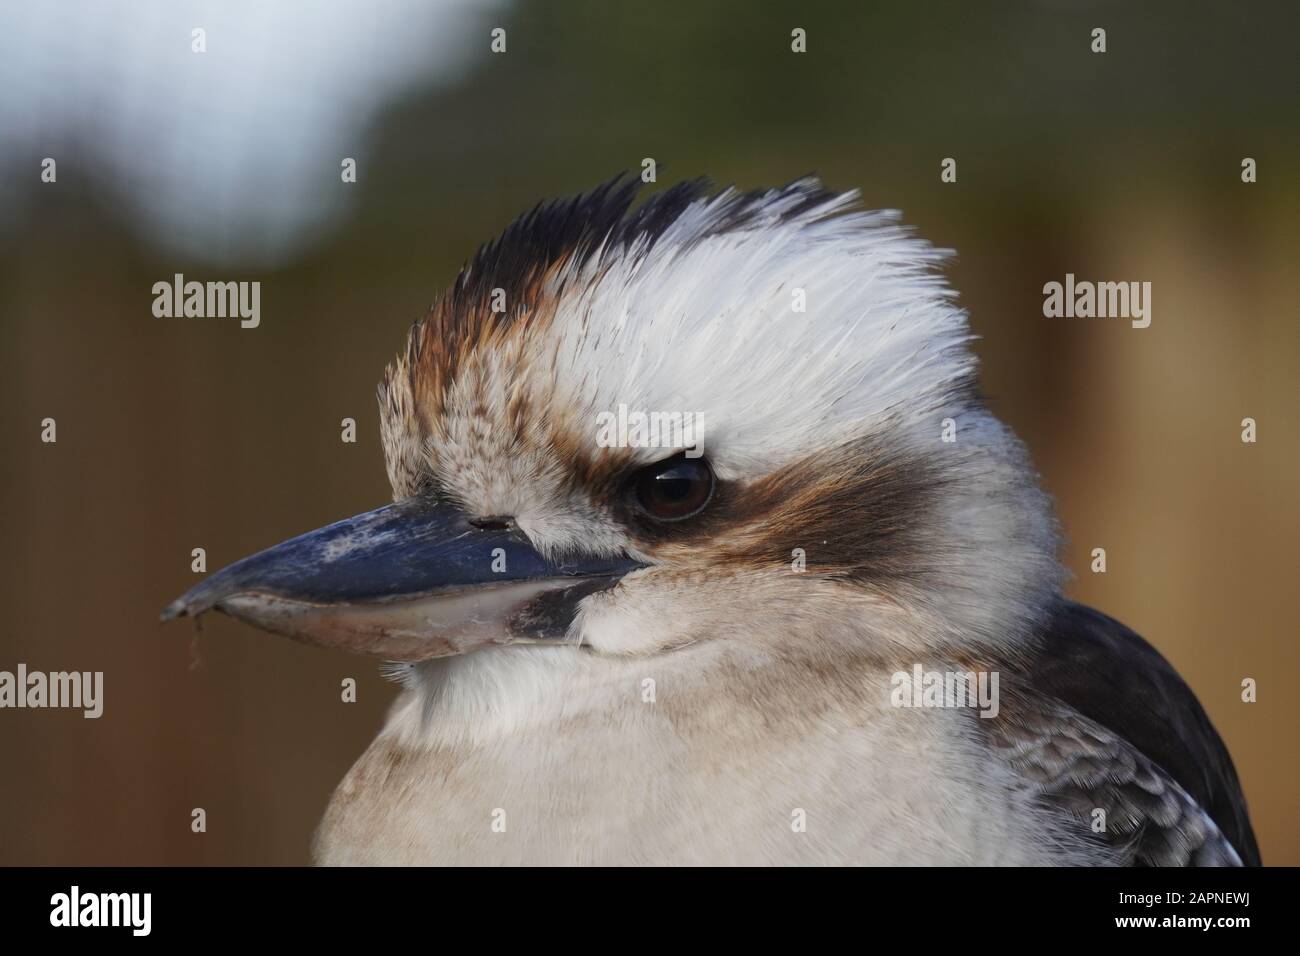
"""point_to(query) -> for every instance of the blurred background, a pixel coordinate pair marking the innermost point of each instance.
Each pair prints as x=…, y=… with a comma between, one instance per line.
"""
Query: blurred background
x=225, y=165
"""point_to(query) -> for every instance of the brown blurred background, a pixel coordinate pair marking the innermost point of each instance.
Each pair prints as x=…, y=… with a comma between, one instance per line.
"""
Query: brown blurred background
x=180, y=433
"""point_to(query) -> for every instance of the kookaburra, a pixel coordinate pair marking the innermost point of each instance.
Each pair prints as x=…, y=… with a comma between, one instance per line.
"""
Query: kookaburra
x=615, y=649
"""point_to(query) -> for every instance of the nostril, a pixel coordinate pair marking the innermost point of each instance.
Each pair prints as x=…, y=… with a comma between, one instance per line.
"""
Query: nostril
x=494, y=523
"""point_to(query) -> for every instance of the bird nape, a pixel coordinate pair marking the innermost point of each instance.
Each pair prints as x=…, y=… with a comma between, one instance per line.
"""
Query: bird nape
x=668, y=645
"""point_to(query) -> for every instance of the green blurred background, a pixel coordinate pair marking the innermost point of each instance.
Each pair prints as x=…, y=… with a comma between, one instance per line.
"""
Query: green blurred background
x=180, y=433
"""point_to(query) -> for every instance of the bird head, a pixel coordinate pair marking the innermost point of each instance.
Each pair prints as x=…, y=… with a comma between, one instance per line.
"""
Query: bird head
x=627, y=428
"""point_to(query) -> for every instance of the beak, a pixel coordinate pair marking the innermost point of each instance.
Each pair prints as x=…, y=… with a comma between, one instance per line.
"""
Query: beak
x=407, y=582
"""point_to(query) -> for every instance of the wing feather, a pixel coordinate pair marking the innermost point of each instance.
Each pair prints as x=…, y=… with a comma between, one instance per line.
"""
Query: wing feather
x=1102, y=720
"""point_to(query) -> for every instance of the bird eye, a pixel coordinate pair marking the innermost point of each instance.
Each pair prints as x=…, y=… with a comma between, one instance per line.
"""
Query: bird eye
x=673, y=489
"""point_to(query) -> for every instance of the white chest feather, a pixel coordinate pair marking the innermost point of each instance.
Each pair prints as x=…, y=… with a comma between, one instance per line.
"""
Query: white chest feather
x=555, y=756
